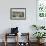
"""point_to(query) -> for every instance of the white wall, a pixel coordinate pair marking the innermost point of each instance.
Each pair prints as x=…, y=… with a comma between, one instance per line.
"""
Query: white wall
x=24, y=25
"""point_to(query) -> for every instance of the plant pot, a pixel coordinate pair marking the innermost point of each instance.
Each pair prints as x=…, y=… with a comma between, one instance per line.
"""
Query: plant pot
x=40, y=41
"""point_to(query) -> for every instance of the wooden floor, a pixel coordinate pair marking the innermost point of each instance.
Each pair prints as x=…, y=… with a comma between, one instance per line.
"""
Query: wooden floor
x=13, y=44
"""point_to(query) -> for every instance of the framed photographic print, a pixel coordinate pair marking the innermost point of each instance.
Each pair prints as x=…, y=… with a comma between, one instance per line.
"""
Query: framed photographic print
x=41, y=12
x=17, y=13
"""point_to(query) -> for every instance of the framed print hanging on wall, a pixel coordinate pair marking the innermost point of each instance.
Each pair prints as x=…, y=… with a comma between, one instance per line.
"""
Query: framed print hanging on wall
x=41, y=12
x=17, y=13
x=41, y=8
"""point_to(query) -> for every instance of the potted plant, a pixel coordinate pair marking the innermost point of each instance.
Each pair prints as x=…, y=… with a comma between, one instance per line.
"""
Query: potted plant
x=42, y=27
x=39, y=35
x=38, y=27
x=35, y=26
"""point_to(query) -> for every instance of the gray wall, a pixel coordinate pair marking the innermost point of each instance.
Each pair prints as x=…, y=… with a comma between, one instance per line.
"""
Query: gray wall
x=24, y=25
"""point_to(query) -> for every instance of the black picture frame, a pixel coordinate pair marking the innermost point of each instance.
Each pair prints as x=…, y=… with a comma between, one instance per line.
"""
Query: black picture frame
x=17, y=13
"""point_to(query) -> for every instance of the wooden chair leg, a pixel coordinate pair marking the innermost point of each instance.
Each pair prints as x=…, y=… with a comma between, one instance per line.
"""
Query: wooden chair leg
x=5, y=43
x=5, y=39
x=17, y=40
